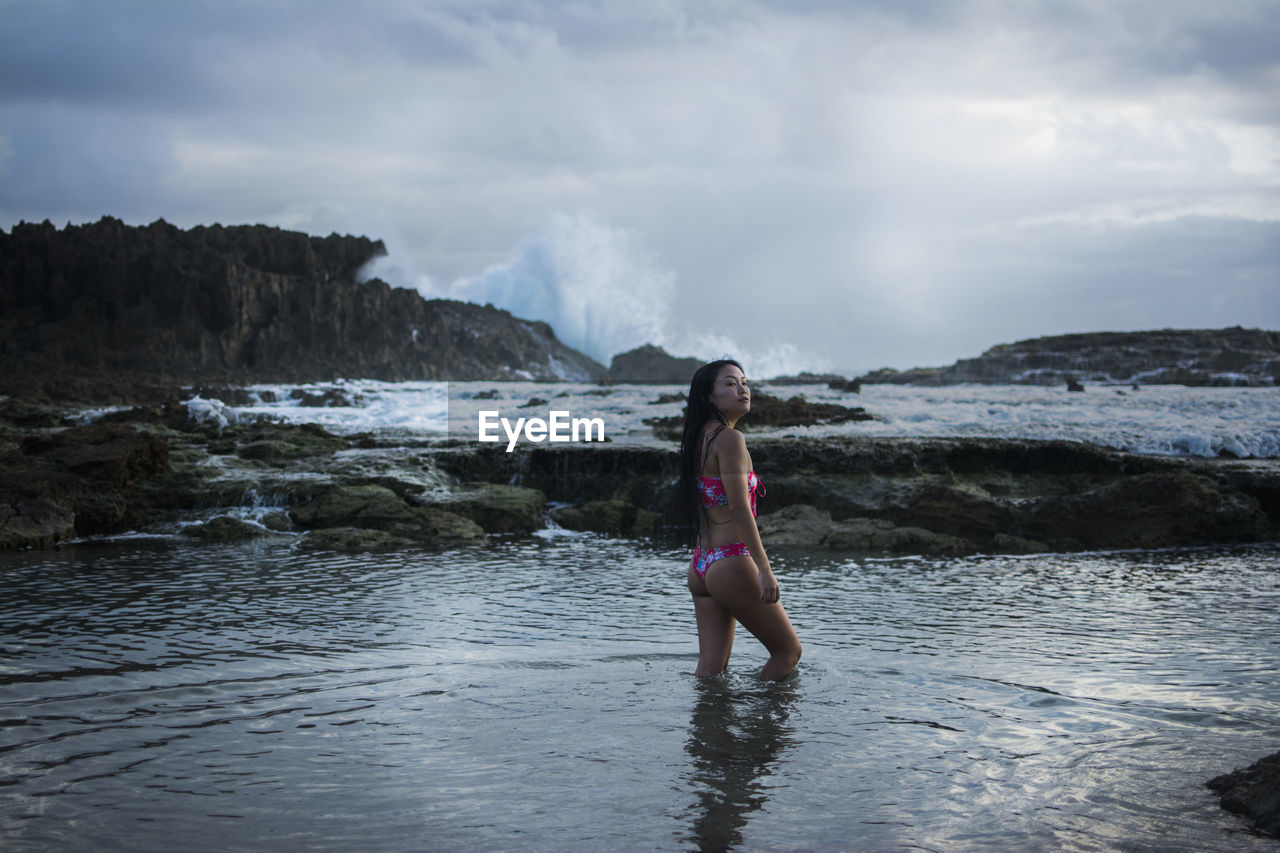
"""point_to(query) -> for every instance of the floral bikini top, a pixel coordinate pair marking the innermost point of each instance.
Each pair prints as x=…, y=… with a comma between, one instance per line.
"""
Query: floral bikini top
x=713, y=493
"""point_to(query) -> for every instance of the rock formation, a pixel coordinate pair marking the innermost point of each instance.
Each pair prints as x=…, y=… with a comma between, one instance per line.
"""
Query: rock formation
x=74, y=482
x=1233, y=356
x=652, y=365
x=770, y=411
x=155, y=468
x=88, y=307
x=919, y=496
x=1254, y=792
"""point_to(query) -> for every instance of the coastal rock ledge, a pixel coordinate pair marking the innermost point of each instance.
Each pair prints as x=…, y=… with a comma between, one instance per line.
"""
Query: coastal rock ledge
x=1220, y=357
x=157, y=470
x=1253, y=792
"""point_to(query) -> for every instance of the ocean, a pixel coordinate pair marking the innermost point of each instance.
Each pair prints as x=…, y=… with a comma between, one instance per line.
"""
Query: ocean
x=1169, y=420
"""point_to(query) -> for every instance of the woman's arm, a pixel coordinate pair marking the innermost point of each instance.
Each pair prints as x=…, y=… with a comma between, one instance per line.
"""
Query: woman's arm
x=735, y=465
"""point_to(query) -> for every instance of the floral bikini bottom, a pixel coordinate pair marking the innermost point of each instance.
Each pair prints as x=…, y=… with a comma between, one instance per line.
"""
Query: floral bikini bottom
x=704, y=557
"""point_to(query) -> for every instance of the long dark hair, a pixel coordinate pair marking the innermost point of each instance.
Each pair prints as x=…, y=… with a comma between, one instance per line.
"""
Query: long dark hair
x=687, y=506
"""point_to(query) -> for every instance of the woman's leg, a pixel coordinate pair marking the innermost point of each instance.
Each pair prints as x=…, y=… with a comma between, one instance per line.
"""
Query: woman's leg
x=715, y=630
x=734, y=584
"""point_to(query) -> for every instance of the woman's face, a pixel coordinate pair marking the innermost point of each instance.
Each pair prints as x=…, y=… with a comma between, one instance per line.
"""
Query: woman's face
x=730, y=394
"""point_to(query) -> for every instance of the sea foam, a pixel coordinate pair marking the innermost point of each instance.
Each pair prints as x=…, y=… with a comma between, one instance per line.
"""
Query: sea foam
x=1165, y=420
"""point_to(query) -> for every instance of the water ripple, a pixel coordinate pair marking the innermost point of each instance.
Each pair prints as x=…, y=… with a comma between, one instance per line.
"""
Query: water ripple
x=539, y=694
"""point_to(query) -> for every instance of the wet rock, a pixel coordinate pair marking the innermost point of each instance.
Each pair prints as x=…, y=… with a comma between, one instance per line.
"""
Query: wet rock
x=278, y=443
x=1059, y=495
x=798, y=524
x=231, y=395
x=880, y=536
x=1254, y=792
x=892, y=495
x=996, y=496
x=954, y=510
x=1149, y=511
x=225, y=529
x=571, y=473
x=34, y=523
x=113, y=454
x=29, y=414
x=354, y=539
x=801, y=524
x=278, y=521
x=330, y=398
x=377, y=508
x=82, y=473
x=374, y=507
x=1005, y=543
x=616, y=517
x=496, y=508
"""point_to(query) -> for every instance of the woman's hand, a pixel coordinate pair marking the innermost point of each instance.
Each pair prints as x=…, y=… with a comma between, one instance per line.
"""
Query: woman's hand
x=770, y=592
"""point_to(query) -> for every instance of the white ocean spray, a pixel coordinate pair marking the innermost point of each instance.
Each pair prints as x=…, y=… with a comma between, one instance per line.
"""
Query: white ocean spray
x=1161, y=420
x=602, y=293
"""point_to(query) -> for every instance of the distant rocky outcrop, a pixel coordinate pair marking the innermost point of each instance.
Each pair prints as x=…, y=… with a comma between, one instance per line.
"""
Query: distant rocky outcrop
x=769, y=411
x=834, y=381
x=1225, y=357
x=650, y=364
x=87, y=307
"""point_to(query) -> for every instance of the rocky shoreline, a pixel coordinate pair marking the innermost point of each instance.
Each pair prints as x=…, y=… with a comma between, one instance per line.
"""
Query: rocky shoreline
x=155, y=468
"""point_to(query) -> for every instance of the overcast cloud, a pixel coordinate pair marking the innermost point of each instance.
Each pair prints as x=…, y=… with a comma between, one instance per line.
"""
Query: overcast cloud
x=832, y=185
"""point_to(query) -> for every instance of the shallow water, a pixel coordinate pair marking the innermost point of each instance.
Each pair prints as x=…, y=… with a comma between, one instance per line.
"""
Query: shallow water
x=536, y=695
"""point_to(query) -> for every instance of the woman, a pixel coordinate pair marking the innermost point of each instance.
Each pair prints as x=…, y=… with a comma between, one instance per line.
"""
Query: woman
x=729, y=574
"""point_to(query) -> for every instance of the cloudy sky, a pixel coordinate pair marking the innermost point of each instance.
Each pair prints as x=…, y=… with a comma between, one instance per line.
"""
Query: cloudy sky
x=820, y=185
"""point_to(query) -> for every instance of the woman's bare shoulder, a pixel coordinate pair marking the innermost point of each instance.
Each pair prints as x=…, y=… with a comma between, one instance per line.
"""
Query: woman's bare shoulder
x=730, y=449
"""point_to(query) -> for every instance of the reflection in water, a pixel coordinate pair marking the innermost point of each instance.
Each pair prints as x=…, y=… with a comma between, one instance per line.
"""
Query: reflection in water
x=535, y=694
x=736, y=737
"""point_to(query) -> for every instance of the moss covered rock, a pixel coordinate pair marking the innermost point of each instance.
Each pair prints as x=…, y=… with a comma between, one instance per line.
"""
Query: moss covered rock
x=377, y=508
x=497, y=508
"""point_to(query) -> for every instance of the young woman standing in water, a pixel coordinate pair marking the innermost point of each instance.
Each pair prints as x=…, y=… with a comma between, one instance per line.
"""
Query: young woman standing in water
x=729, y=574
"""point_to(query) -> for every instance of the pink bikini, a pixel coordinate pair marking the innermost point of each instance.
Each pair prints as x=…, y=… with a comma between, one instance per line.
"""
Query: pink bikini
x=713, y=494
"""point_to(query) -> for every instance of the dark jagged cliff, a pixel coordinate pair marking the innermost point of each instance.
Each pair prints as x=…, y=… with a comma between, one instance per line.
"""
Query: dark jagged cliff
x=89, y=304
x=1233, y=356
